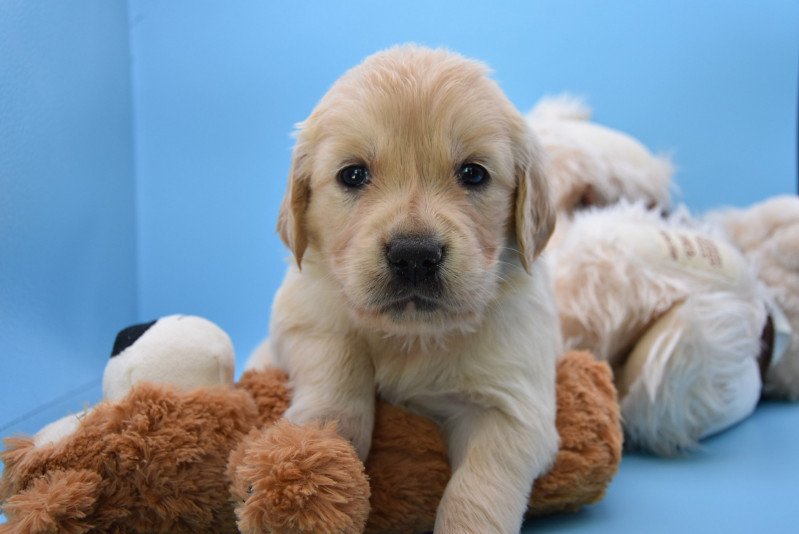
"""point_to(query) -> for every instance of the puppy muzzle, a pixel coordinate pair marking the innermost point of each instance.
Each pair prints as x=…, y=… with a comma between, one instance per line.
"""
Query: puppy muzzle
x=414, y=262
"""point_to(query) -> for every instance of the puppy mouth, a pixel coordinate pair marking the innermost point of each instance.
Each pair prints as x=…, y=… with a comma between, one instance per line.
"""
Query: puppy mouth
x=411, y=304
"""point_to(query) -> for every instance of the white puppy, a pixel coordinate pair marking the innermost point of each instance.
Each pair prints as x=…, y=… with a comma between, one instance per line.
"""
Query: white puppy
x=416, y=210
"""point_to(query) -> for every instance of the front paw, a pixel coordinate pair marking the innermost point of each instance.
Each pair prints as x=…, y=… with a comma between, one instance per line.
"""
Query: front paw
x=353, y=425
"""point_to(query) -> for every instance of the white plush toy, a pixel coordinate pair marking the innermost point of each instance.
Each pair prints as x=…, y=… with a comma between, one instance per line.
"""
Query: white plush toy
x=182, y=350
x=768, y=235
x=672, y=303
x=591, y=165
x=676, y=311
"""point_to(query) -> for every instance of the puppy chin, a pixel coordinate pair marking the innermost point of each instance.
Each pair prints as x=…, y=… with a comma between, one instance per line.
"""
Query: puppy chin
x=416, y=319
x=417, y=314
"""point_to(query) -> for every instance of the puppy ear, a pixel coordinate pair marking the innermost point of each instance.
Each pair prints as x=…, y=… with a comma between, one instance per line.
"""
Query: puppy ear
x=291, y=218
x=535, y=213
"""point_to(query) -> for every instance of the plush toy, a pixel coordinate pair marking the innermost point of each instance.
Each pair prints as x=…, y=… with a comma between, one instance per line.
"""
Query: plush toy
x=768, y=235
x=677, y=311
x=151, y=458
x=691, y=333
x=591, y=165
x=159, y=455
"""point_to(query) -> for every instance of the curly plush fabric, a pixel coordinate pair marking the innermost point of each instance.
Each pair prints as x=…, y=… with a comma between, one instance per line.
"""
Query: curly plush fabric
x=294, y=479
x=274, y=472
x=151, y=463
x=214, y=460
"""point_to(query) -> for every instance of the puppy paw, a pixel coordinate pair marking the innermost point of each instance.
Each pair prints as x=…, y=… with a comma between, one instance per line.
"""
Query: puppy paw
x=353, y=425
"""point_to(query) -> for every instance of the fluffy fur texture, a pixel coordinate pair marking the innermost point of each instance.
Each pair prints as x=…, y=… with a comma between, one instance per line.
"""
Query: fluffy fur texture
x=153, y=463
x=477, y=350
x=621, y=270
x=591, y=165
x=768, y=234
x=156, y=462
x=408, y=468
x=299, y=479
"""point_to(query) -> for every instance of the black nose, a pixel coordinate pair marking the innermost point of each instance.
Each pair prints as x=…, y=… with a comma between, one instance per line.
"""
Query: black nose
x=414, y=258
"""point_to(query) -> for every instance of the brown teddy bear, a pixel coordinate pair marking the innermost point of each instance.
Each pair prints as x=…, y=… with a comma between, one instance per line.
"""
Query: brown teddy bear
x=160, y=456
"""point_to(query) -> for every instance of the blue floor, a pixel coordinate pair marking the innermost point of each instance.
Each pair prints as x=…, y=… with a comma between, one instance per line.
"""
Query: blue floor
x=744, y=480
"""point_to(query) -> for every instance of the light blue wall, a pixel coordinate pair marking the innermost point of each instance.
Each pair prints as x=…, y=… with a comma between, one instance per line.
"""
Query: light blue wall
x=218, y=86
x=109, y=216
x=67, y=234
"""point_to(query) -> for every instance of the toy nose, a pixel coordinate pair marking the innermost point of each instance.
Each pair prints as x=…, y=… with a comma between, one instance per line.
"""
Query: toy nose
x=128, y=336
x=414, y=258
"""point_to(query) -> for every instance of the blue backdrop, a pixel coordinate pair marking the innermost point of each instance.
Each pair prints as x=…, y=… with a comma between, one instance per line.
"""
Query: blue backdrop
x=218, y=89
x=144, y=144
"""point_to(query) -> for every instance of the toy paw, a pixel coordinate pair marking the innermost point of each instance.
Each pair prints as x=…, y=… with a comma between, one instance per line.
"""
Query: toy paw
x=408, y=470
x=589, y=425
x=60, y=501
x=298, y=479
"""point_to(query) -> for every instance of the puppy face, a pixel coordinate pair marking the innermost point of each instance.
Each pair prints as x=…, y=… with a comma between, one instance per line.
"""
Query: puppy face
x=416, y=184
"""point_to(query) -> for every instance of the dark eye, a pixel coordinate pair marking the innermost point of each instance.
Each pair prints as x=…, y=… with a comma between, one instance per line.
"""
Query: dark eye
x=473, y=175
x=354, y=176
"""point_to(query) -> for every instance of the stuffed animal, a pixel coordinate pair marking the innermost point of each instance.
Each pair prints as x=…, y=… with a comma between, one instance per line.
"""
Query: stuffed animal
x=677, y=311
x=150, y=458
x=767, y=233
x=591, y=165
x=692, y=334
x=159, y=455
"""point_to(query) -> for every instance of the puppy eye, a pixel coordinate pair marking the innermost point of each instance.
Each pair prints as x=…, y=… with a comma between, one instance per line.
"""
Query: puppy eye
x=354, y=176
x=473, y=175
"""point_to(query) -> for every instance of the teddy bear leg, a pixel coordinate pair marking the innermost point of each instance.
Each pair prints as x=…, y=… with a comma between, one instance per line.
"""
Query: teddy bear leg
x=692, y=374
x=298, y=479
x=58, y=502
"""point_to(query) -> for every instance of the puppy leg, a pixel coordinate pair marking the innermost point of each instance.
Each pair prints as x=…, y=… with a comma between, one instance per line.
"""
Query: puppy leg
x=332, y=380
x=495, y=459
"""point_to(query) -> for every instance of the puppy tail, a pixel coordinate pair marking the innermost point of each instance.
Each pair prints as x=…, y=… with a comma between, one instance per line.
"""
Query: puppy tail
x=694, y=373
x=562, y=106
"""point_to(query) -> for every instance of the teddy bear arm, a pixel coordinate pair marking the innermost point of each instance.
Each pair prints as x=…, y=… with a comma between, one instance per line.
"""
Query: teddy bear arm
x=590, y=431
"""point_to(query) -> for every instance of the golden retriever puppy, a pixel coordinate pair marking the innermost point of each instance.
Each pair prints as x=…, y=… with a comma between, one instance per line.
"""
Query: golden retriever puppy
x=416, y=211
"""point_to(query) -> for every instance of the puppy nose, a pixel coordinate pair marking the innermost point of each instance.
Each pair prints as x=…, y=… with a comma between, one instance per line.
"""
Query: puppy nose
x=414, y=258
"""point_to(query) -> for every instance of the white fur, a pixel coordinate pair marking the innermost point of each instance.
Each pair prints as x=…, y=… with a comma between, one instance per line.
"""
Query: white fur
x=181, y=350
x=591, y=165
x=768, y=234
x=611, y=290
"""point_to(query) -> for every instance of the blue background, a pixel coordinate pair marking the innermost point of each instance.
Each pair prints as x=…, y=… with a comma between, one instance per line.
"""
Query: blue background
x=144, y=147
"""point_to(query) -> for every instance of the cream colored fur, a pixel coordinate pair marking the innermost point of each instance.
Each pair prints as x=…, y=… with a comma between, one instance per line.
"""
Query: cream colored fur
x=768, y=234
x=185, y=351
x=624, y=271
x=482, y=363
x=591, y=165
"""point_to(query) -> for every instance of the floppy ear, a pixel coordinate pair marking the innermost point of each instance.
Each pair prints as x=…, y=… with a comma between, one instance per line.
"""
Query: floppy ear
x=291, y=219
x=535, y=213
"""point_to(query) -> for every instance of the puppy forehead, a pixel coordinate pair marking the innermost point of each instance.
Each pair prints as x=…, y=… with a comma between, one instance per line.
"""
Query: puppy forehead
x=436, y=104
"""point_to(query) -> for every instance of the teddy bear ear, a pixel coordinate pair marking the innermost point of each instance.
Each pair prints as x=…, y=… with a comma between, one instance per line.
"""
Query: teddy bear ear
x=128, y=336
